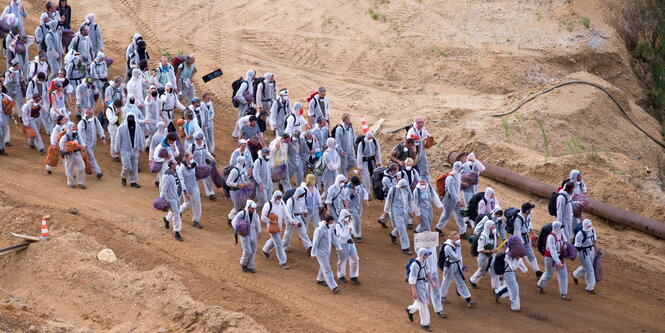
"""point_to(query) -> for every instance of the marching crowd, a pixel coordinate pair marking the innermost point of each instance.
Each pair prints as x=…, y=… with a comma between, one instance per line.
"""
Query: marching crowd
x=316, y=174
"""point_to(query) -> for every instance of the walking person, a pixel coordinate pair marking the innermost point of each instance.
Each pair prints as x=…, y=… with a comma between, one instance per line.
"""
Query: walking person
x=249, y=241
x=94, y=33
x=280, y=109
x=335, y=200
x=187, y=173
x=321, y=246
x=274, y=214
x=399, y=206
x=166, y=151
x=265, y=93
x=184, y=74
x=202, y=156
x=331, y=160
x=295, y=168
x=452, y=203
x=89, y=128
x=169, y=103
x=313, y=202
x=349, y=254
x=31, y=114
x=114, y=116
x=86, y=94
x=13, y=79
x=390, y=178
x=554, y=261
x=262, y=173
x=319, y=107
x=38, y=86
x=424, y=195
x=420, y=135
x=244, y=92
x=585, y=242
x=209, y=127
x=70, y=144
x=452, y=264
x=115, y=90
x=354, y=196
x=420, y=279
x=53, y=48
x=523, y=228
x=512, y=262
x=172, y=188
x=564, y=208
x=53, y=154
x=368, y=158
x=129, y=143
x=346, y=138
x=297, y=207
x=237, y=181
x=486, y=247
x=472, y=164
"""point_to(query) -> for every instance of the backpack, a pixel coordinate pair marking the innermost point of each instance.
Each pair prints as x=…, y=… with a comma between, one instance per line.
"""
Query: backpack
x=235, y=85
x=42, y=43
x=334, y=131
x=176, y=61
x=75, y=46
x=441, y=184
x=408, y=269
x=473, y=239
x=510, y=214
x=319, y=167
x=500, y=263
x=551, y=204
x=255, y=86
x=242, y=227
x=226, y=173
x=473, y=205
x=287, y=118
x=542, y=237
x=289, y=194
x=377, y=185
x=360, y=143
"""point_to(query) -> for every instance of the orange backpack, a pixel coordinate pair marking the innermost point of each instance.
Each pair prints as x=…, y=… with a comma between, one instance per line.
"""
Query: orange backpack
x=441, y=184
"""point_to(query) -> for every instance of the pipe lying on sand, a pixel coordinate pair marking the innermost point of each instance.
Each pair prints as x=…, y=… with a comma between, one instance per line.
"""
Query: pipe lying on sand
x=545, y=190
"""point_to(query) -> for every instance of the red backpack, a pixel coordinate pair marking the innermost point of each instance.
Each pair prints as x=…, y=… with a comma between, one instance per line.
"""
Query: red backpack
x=309, y=99
x=441, y=184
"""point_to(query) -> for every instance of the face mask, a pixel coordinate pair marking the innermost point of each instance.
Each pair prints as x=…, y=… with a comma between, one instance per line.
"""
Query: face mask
x=266, y=157
x=154, y=94
x=406, y=150
x=457, y=242
x=408, y=168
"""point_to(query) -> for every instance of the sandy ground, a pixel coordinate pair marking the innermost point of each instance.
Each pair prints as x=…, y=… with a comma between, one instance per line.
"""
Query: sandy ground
x=454, y=62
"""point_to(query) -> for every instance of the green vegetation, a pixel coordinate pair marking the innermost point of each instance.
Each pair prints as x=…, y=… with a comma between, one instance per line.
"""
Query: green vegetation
x=650, y=50
x=586, y=22
x=506, y=129
x=520, y=120
x=374, y=14
x=169, y=55
x=546, y=149
x=596, y=156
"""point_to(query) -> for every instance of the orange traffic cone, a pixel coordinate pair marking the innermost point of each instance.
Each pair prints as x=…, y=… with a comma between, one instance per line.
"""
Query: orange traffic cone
x=363, y=124
x=45, y=234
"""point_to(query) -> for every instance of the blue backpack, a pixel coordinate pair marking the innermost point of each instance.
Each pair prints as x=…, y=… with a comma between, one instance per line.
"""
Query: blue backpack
x=408, y=268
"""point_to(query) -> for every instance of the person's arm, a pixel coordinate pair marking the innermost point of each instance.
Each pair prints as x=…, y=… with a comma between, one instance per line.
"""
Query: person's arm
x=560, y=206
x=478, y=166
x=502, y=228
x=389, y=201
x=435, y=197
x=578, y=241
x=230, y=181
x=100, y=129
x=481, y=207
x=244, y=86
x=550, y=245
x=25, y=114
x=264, y=213
x=172, y=78
x=451, y=189
x=316, y=238
x=259, y=95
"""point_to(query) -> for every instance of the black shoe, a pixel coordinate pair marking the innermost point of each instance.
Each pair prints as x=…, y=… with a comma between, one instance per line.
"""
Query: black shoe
x=439, y=231
x=251, y=270
x=407, y=252
x=473, y=285
x=7, y=144
x=497, y=297
x=309, y=251
x=42, y=152
x=212, y=197
x=147, y=149
x=409, y=314
x=336, y=290
x=3, y=152
x=157, y=184
x=321, y=283
x=244, y=269
x=47, y=171
x=441, y=314
x=592, y=292
x=140, y=170
x=266, y=254
x=426, y=328
x=116, y=159
x=410, y=226
x=359, y=239
x=539, y=274
x=382, y=222
x=197, y=225
x=393, y=239
x=100, y=175
x=355, y=281
x=343, y=279
x=228, y=221
x=135, y=185
x=178, y=237
x=166, y=223
x=540, y=289
x=31, y=146
x=123, y=181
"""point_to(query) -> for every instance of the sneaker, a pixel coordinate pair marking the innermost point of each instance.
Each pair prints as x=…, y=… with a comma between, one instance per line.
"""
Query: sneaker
x=135, y=185
x=100, y=175
x=470, y=303
x=139, y=170
x=407, y=252
x=321, y=283
x=540, y=289
x=116, y=159
x=81, y=186
x=42, y=152
x=157, y=183
x=212, y=197
x=359, y=240
x=473, y=285
x=47, y=171
x=409, y=314
x=251, y=270
x=284, y=266
x=393, y=239
x=426, y=328
x=357, y=282
x=539, y=274
x=266, y=254
x=336, y=290
x=309, y=251
x=166, y=223
x=441, y=314
x=566, y=298
x=382, y=222
x=244, y=269
x=7, y=144
x=577, y=282
x=123, y=181
x=516, y=310
x=178, y=237
x=343, y=279
x=497, y=297
x=445, y=300
x=228, y=221
x=592, y=292
x=72, y=186
x=197, y=225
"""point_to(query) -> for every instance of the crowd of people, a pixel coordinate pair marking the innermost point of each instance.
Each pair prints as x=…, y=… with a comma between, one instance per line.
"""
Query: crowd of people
x=313, y=178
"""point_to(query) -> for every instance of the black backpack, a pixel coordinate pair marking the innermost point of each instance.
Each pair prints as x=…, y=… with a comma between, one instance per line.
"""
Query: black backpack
x=42, y=43
x=510, y=215
x=235, y=85
x=255, y=87
x=542, y=237
x=473, y=205
x=551, y=204
x=287, y=118
x=500, y=263
x=289, y=194
x=334, y=131
x=226, y=173
x=377, y=185
x=473, y=239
